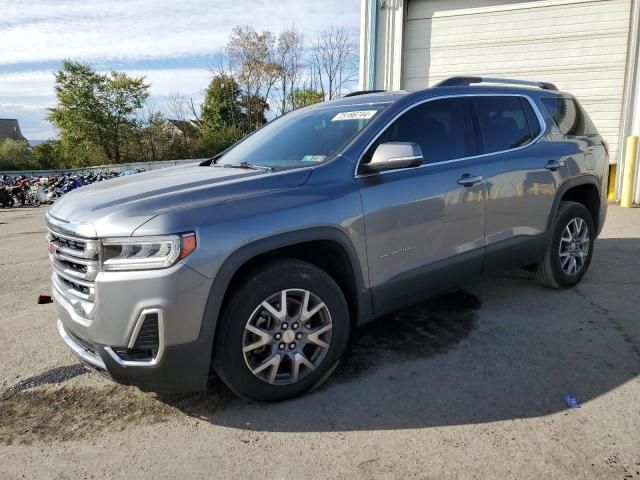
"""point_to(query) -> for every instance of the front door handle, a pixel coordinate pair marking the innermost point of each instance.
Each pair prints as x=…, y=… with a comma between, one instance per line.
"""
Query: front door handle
x=554, y=165
x=468, y=180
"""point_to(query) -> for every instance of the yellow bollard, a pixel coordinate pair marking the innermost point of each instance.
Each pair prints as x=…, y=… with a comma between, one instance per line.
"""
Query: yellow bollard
x=612, y=182
x=629, y=172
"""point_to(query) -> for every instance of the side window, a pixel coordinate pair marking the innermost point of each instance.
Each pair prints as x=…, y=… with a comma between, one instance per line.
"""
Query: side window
x=568, y=116
x=532, y=118
x=440, y=127
x=506, y=122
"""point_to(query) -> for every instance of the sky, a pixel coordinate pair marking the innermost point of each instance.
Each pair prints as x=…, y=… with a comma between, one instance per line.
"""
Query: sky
x=171, y=42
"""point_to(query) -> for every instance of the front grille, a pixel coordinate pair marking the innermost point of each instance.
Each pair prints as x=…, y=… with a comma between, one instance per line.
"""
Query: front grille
x=75, y=267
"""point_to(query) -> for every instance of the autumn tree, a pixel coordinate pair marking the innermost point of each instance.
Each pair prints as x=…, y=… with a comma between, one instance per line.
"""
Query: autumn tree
x=334, y=62
x=252, y=62
x=290, y=60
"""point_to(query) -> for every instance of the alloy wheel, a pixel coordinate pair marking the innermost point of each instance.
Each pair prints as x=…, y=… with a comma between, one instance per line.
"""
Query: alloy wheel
x=287, y=336
x=574, y=246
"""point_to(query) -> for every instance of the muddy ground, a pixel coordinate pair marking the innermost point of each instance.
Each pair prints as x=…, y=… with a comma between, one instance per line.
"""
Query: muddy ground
x=467, y=384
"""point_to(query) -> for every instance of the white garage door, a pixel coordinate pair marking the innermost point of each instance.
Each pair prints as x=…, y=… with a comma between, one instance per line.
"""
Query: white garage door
x=581, y=46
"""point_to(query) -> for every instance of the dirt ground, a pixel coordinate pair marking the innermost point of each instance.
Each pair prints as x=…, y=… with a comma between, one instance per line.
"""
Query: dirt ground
x=467, y=385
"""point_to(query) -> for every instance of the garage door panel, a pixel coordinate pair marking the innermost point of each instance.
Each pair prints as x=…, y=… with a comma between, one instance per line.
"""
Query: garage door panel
x=421, y=9
x=535, y=34
x=524, y=51
x=512, y=9
x=573, y=12
x=487, y=66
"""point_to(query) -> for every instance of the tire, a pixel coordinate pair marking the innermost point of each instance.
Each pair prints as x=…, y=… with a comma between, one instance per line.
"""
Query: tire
x=242, y=368
x=554, y=270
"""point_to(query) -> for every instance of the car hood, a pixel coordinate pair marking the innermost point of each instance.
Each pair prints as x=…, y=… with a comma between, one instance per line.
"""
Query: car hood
x=117, y=207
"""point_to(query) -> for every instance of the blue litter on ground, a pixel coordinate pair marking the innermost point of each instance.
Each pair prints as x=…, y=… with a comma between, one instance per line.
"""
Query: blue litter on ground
x=571, y=401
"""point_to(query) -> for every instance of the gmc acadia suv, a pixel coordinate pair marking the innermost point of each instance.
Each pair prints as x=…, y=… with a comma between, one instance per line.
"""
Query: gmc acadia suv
x=259, y=262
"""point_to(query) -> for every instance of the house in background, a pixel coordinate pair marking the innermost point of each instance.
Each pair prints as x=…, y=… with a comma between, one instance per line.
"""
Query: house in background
x=188, y=128
x=589, y=48
x=10, y=128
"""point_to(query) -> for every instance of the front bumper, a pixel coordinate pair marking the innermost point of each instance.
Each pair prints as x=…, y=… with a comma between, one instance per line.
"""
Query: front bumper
x=138, y=327
x=183, y=368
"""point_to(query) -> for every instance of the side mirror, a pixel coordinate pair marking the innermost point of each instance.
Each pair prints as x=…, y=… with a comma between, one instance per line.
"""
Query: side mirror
x=392, y=155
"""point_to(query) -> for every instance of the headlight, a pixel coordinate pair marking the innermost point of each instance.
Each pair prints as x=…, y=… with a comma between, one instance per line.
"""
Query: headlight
x=145, y=253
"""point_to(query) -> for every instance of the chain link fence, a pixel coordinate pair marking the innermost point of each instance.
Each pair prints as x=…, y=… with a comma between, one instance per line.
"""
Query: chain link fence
x=120, y=167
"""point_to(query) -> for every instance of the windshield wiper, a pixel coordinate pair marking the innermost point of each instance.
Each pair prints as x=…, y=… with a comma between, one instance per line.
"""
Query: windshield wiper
x=249, y=165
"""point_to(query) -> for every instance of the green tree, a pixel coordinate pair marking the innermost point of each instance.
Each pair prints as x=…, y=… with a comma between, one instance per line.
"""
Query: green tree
x=222, y=106
x=215, y=140
x=96, y=110
x=304, y=97
x=16, y=155
x=47, y=155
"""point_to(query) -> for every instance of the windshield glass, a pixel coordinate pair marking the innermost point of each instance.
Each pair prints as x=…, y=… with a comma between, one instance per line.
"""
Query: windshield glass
x=302, y=138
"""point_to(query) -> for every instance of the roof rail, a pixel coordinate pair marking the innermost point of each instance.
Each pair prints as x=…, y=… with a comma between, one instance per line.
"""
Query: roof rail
x=361, y=92
x=466, y=81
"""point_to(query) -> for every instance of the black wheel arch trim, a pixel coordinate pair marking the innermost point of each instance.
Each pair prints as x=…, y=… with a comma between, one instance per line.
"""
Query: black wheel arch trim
x=247, y=252
x=568, y=185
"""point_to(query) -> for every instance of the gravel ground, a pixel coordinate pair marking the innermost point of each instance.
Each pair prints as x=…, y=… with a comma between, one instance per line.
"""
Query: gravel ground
x=469, y=384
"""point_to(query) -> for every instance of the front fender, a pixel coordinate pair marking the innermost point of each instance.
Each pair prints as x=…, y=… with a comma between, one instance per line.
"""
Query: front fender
x=247, y=252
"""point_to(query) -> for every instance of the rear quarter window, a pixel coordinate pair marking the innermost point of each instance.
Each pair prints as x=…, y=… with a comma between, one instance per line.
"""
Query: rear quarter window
x=569, y=116
x=506, y=122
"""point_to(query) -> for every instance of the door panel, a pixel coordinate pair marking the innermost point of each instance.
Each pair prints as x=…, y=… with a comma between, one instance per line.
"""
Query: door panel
x=520, y=195
x=424, y=231
x=425, y=225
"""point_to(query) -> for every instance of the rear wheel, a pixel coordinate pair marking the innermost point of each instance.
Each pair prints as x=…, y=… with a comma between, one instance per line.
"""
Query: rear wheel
x=282, y=333
x=569, y=252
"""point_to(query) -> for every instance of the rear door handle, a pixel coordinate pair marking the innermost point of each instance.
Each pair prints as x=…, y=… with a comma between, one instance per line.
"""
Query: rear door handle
x=468, y=180
x=554, y=165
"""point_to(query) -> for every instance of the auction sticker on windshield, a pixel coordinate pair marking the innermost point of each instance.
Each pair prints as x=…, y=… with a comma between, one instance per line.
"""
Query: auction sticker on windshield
x=355, y=115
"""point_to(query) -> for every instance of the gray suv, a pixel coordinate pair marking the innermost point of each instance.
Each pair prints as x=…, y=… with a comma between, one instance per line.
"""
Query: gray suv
x=258, y=263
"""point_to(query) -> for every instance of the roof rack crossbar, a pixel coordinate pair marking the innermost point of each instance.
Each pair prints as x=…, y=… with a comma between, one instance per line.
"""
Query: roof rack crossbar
x=361, y=92
x=466, y=81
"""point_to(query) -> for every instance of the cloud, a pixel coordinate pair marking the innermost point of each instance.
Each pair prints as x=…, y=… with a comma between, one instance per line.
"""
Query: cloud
x=37, y=31
x=164, y=82
x=26, y=84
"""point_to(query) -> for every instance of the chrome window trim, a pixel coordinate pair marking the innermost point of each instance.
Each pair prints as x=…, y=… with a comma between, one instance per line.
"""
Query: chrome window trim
x=412, y=157
x=132, y=340
x=536, y=110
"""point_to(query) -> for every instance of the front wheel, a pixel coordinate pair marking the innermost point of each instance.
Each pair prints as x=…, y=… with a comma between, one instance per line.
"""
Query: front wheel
x=282, y=333
x=569, y=252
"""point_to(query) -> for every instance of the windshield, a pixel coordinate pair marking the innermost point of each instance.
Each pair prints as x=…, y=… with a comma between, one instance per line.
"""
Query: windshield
x=302, y=138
